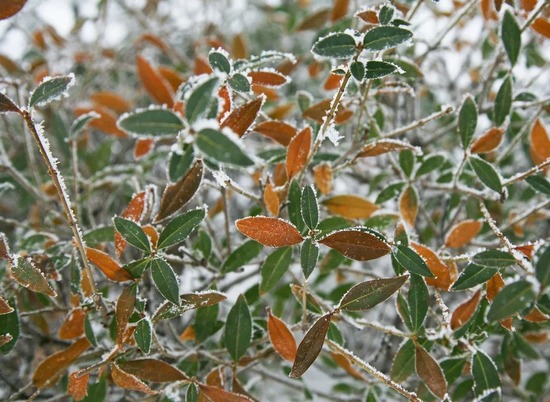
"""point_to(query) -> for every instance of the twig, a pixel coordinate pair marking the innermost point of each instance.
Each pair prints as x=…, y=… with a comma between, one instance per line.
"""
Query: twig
x=419, y=123
x=530, y=172
x=480, y=195
x=525, y=214
x=518, y=137
x=534, y=14
x=226, y=220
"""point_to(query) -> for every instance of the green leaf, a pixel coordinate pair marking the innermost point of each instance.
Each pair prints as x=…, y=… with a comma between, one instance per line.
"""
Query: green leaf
x=180, y=163
x=9, y=325
x=310, y=208
x=368, y=294
x=241, y=256
x=403, y=362
x=357, y=69
x=309, y=253
x=385, y=14
x=389, y=192
x=295, y=206
x=379, y=69
x=154, y=122
x=179, y=228
x=238, y=329
x=512, y=299
x=81, y=122
x=137, y=268
x=206, y=322
x=411, y=261
x=474, y=275
x=133, y=234
x=239, y=82
x=486, y=173
x=467, y=121
x=452, y=368
x=485, y=373
x=219, y=62
x=274, y=267
x=406, y=162
x=381, y=38
x=404, y=310
x=494, y=258
x=336, y=45
x=96, y=392
x=89, y=330
x=30, y=277
x=511, y=37
x=418, y=299
x=200, y=101
x=503, y=101
x=539, y=183
x=219, y=148
x=192, y=394
x=165, y=280
x=542, y=268
x=143, y=335
x=430, y=164
x=7, y=105
x=50, y=89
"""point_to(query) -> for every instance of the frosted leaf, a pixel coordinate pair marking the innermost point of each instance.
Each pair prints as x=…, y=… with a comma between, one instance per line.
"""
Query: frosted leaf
x=51, y=89
x=221, y=178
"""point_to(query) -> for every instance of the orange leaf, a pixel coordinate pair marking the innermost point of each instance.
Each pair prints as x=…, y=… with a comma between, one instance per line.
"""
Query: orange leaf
x=528, y=5
x=444, y=275
x=465, y=311
x=462, y=233
x=9, y=8
x=128, y=381
x=153, y=370
x=238, y=47
x=86, y=284
x=350, y=206
x=143, y=147
x=528, y=250
x=281, y=111
x=49, y=370
x=383, y=146
x=201, y=66
x=333, y=82
x=344, y=362
x=73, y=325
x=107, y=265
x=298, y=151
x=542, y=26
x=539, y=142
x=268, y=78
x=271, y=232
x=493, y=286
x=171, y=76
x=5, y=308
x=153, y=235
x=241, y=118
x=106, y=121
x=357, y=245
x=154, y=83
x=269, y=93
x=9, y=65
x=271, y=199
x=315, y=20
x=78, y=386
x=155, y=40
x=536, y=337
x=314, y=68
x=489, y=141
x=281, y=337
x=322, y=174
x=536, y=315
x=488, y=11
x=278, y=131
x=215, y=394
x=111, y=100
x=430, y=372
x=339, y=10
x=369, y=16
x=279, y=174
x=188, y=334
x=342, y=115
x=408, y=205
x=318, y=111
x=133, y=211
x=224, y=95
x=124, y=310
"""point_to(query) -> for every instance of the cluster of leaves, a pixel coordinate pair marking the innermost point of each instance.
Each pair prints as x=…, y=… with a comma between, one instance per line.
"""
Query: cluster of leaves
x=222, y=206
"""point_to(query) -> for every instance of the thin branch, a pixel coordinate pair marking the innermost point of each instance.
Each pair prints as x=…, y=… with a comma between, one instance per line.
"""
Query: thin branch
x=524, y=175
x=525, y=214
x=419, y=123
x=534, y=14
x=480, y=195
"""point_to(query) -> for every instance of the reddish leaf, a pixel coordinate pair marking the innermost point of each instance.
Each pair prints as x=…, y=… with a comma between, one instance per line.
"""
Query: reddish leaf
x=444, y=274
x=462, y=233
x=465, y=311
x=201, y=66
x=271, y=232
x=346, y=364
x=239, y=48
x=48, y=371
x=153, y=370
x=539, y=143
x=311, y=346
x=298, y=151
x=154, y=40
x=73, y=325
x=430, y=372
x=333, y=82
x=5, y=308
x=357, y=245
x=241, y=118
x=278, y=131
x=143, y=147
x=536, y=315
x=111, y=100
x=9, y=8
x=369, y=16
x=542, y=26
x=223, y=94
x=172, y=77
x=4, y=248
x=489, y=141
x=107, y=265
x=281, y=337
x=383, y=146
x=493, y=286
x=408, y=205
x=322, y=174
x=268, y=78
x=318, y=112
x=350, y=206
x=176, y=195
x=154, y=83
x=339, y=10
x=271, y=199
x=128, y=381
x=215, y=394
x=488, y=11
x=106, y=121
x=124, y=310
x=78, y=386
x=153, y=235
x=7, y=105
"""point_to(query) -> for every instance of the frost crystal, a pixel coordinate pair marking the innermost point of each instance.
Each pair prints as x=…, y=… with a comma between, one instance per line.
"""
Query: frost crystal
x=221, y=178
x=332, y=134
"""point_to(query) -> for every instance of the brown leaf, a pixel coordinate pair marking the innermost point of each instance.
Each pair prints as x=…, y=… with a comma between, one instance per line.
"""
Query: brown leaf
x=339, y=10
x=488, y=11
x=488, y=142
x=9, y=8
x=408, y=205
x=154, y=83
x=238, y=47
x=188, y=334
x=5, y=308
x=176, y=195
x=542, y=26
x=29, y=276
x=279, y=174
x=369, y=16
x=350, y=206
x=318, y=112
x=172, y=77
x=128, y=381
x=107, y=265
x=73, y=326
x=346, y=364
x=311, y=345
x=493, y=286
x=154, y=40
x=281, y=337
x=106, y=121
x=271, y=199
x=315, y=20
x=430, y=372
x=332, y=82
x=539, y=143
x=536, y=337
x=78, y=386
x=4, y=248
x=536, y=315
x=153, y=235
x=133, y=211
x=278, y=131
x=271, y=232
x=383, y=146
x=201, y=66
x=444, y=274
x=111, y=100
x=270, y=93
x=215, y=394
x=143, y=147
x=465, y=311
x=241, y=118
x=322, y=174
x=462, y=233
x=153, y=370
x=298, y=151
x=124, y=310
x=357, y=245
x=49, y=370
x=268, y=78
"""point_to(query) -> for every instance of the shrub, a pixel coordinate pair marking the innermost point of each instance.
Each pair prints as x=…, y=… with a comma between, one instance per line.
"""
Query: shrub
x=355, y=199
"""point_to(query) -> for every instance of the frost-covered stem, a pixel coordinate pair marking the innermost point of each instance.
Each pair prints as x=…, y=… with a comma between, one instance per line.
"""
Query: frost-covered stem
x=534, y=14
x=460, y=169
x=239, y=190
x=64, y=199
x=413, y=10
x=525, y=214
x=76, y=175
x=503, y=239
x=304, y=305
x=411, y=396
x=444, y=309
x=527, y=105
x=42, y=311
x=530, y=172
x=419, y=123
x=387, y=330
x=464, y=190
x=226, y=219
x=22, y=180
x=518, y=137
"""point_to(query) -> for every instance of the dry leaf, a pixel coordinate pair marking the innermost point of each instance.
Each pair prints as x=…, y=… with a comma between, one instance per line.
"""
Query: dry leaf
x=129, y=381
x=153, y=370
x=153, y=235
x=5, y=308
x=107, y=265
x=215, y=394
x=462, y=233
x=369, y=16
x=154, y=83
x=172, y=77
x=154, y=40
x=539, y=143
x=430, y=372
x=111, y=100
x=281, y=337
x=4, y=248
x=225, y=97
x=444, y=274
x=350, y=206
x=383, y=146
x=493, y=286
x=133, y=211
x=78, y=386
x=9, y=8
x=106, y=122
x=271, y=199
x=201, y=66
x=489, y=141
x=73, y=325
x=26, y=274
x=238, y=47
x=339, y=10
x=124, y=310
x=488, y=11
x=536, y=315
x=322, y=174
x=278, y=131
x=465, y=311
x=298, y=151
x=346, y=364
x=333, y=82
x=271, y=232
x=357, y=245
x=268, y=78
x=240, y=119
x=143, y=147
x=314, y=21
x=408, y=205
x=542, y=26
x=318, y=112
